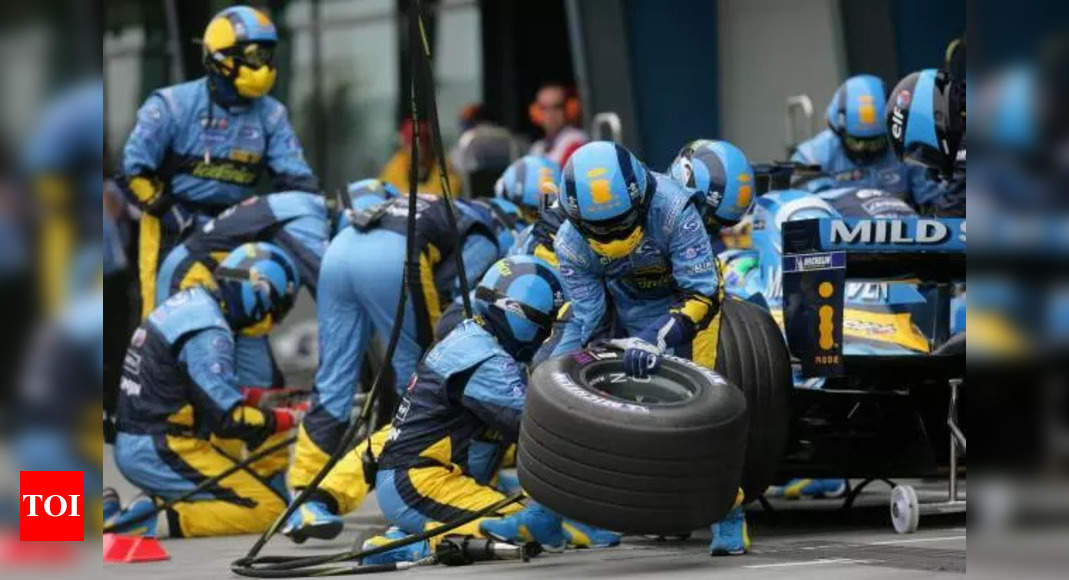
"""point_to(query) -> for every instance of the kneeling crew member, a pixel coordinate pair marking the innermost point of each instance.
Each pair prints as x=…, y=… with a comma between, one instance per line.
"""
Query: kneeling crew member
x=179, y=386
x=463, y=407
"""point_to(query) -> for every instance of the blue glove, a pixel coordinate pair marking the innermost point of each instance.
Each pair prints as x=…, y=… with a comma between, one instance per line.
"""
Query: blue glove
x=640, y=357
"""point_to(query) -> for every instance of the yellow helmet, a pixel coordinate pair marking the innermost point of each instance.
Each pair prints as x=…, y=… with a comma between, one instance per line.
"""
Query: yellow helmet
x=239, y=46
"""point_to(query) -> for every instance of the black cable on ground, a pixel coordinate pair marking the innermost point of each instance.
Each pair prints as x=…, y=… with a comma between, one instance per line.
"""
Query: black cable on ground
x=298, y=566
x=260, y=454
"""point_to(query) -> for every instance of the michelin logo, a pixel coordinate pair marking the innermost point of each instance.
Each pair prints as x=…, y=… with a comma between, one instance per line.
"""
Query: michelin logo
x=814, y=262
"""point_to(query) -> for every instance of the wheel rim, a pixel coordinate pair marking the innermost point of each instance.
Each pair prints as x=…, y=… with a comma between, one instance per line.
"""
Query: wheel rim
x=666, y=387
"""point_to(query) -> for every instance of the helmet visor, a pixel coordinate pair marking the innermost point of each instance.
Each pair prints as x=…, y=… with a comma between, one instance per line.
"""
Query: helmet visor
x=609, y=230
x=866, y=146
x=256, y=54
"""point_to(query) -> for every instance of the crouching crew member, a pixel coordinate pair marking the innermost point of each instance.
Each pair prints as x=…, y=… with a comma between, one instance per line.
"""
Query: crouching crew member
x=295, y=221
x=462, y=408
x=179, y=386
x=635, y=239
x=359, y=281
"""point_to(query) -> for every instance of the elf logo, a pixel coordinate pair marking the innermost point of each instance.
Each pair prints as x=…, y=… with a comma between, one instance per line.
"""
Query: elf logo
x=898, y=116
x=889, y=231
x=51, y=506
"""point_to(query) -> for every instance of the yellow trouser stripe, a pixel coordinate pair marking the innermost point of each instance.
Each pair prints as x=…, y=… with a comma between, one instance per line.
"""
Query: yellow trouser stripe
x=218, y=517
x=308, y=459
x=449, y=486
x=345, y=482
x=147, y=259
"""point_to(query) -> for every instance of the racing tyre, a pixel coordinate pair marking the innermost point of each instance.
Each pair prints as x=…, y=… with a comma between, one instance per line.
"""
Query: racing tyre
x=661, y=455
x=751, y=354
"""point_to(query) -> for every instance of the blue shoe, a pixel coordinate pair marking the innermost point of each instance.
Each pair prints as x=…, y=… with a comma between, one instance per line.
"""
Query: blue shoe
x=312, y=520
x=409, y=553
x=110, y=503
x=580, y=535
x=136, y=520
x=533, y=523
x=731, y=537
x=508, y=483
x=813, y=488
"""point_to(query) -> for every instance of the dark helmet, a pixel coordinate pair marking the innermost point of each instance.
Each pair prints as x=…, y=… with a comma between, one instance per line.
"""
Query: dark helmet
x=926, y=120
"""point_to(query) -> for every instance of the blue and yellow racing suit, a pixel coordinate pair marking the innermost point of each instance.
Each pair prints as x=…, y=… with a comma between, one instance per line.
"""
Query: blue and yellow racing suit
x=888, y=173
x=672, y=272
x=178, y=387
x=189, y=157
x=460, y=411
x=537, y=238
x=297, y=223
x=359, y=283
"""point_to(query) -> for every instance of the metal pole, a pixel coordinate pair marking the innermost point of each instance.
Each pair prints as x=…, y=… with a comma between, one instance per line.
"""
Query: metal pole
x=174, y=46
x=952, y=422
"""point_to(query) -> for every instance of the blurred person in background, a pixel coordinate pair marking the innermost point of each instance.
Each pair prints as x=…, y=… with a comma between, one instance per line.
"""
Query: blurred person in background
x=526, y=181
x=557, y=111
x=179, y=387
x=396, y=170
x=853, y=151
x=64, y=161
x=201, y=146
x=361, y=276
x=537, y=238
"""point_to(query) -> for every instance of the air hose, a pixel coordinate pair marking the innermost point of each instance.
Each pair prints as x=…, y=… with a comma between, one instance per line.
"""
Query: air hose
x=286, y=567
x=298, y=566
x=260, y=454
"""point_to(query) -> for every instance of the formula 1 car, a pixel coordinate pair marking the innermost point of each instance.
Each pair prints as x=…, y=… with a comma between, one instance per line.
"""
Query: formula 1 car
x=870, y=298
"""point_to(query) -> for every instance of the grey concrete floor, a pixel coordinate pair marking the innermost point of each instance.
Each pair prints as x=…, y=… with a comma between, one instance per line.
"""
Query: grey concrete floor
x=801, y=539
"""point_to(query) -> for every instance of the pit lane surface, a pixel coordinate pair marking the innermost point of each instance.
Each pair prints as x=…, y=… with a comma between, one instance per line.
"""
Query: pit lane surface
x=801, y=539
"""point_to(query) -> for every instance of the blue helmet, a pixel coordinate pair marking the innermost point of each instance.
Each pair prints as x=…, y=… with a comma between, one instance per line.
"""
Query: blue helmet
x=720, y=177
x=509, y=213
x=239, y=46
x=603, y=191
x=363, y=195
x=926, y=120
x=383, y=189
x=527, y=181
x=258, y=283
x=519, y=297
x=500, y=215
x=855, y=113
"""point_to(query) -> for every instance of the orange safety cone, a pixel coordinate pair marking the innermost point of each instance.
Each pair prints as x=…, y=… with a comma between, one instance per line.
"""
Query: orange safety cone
x=123, y=549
